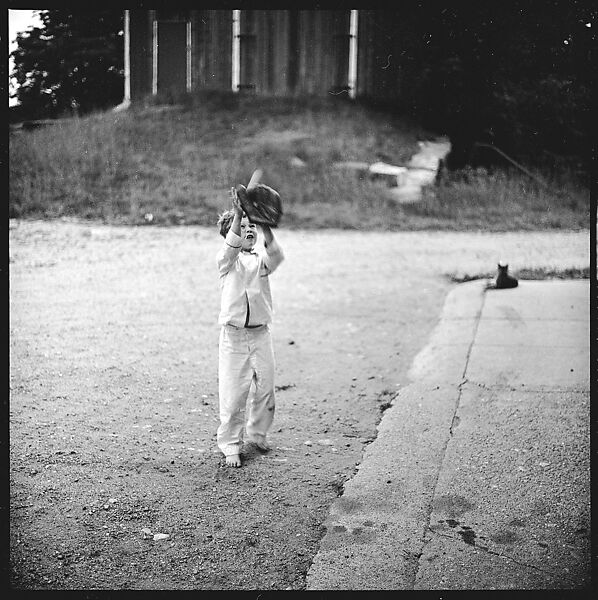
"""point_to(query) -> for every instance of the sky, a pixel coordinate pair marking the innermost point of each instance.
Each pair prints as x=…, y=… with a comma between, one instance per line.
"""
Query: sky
x=18, y=21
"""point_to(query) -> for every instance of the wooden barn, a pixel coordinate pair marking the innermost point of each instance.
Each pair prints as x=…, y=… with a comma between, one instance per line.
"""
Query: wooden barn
x=266, y=52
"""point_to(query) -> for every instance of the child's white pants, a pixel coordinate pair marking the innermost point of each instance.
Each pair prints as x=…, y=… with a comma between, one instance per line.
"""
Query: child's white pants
x=245, y=356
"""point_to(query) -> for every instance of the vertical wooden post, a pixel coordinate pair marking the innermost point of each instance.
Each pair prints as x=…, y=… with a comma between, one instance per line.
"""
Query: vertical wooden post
x=236, y=51
x=352, y=78
x=189, y=55
x=127, y=59
x=155, y=57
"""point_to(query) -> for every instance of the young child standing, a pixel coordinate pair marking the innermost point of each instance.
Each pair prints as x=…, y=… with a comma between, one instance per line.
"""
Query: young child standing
x=246, y=353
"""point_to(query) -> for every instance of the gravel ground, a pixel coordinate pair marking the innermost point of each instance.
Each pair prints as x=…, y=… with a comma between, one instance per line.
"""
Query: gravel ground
x=113, y=401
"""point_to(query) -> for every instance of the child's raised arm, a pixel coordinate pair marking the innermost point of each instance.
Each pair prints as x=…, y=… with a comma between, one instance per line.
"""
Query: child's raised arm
x=274, y=253
x=232, y=243
x=238, y=210
x=268, y=235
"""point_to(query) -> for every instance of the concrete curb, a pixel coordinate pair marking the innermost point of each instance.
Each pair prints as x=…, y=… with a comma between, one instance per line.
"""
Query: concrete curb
x=375, y=530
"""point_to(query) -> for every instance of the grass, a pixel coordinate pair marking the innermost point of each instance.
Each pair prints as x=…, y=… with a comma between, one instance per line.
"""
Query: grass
x=176, y=166
x=526, y=273
x=506, y=201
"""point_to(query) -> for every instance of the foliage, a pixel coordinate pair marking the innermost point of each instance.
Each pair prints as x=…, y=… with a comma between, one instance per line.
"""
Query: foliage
x=73, y=63
x=516, y=74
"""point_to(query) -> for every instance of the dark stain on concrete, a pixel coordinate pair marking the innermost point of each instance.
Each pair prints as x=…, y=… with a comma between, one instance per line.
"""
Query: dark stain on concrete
x=506, y=537
x=468, y=535
x=347, y=506
x=363, y=536
x=340, y=536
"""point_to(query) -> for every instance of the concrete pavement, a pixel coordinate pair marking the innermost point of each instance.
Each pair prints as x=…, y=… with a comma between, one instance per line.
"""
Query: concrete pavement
x=479, y=477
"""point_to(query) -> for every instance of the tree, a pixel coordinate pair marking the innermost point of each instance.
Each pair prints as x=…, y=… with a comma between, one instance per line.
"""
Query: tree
x=72, y=63
x=516, y=73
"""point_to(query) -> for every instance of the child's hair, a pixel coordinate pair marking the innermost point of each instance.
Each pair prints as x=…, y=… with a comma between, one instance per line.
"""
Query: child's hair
x=224, y=222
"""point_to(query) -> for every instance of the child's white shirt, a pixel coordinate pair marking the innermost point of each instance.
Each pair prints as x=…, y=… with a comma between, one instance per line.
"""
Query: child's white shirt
x=246, y=298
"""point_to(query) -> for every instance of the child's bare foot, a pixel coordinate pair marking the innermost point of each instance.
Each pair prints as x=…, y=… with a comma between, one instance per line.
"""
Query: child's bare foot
x=263, y=446
x=234, y=460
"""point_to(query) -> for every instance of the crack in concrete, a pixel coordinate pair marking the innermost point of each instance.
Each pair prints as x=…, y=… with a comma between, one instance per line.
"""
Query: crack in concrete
x=464, y=380
x=503, y=555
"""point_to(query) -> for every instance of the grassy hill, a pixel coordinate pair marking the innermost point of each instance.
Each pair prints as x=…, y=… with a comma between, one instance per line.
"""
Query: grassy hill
x=175, y=165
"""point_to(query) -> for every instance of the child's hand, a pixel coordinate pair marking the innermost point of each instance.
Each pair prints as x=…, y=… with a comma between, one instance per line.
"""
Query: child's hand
x=267, y=233
x=236, y=202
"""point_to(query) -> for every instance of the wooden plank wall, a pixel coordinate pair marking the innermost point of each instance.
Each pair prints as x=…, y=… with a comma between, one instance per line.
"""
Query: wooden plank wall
x=283, y=52
x=212, y=49
x=287, y=52
x=265, y=51
x=323, y=51
x=274, y=52
x=140, y=30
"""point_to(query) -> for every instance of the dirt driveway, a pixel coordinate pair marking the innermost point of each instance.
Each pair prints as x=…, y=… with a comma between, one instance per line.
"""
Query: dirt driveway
x=113, y=403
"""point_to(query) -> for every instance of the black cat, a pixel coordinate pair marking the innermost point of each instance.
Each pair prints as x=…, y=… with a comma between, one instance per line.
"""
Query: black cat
x=503, y=279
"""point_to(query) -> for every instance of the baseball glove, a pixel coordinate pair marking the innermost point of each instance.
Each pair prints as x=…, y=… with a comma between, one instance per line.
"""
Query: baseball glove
x=261, y=204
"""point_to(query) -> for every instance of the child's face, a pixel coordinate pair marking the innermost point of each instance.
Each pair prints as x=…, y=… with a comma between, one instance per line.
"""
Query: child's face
x=248, y=234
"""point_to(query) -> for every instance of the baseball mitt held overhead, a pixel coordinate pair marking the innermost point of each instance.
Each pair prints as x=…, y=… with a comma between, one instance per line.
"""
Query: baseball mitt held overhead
x=260, y=202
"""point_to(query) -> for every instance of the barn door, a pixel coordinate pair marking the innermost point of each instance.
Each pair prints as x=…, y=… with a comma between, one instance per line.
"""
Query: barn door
x=172, y=57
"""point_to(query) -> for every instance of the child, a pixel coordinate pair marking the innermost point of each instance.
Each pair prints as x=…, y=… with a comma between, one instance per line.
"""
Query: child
x=245, y=350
